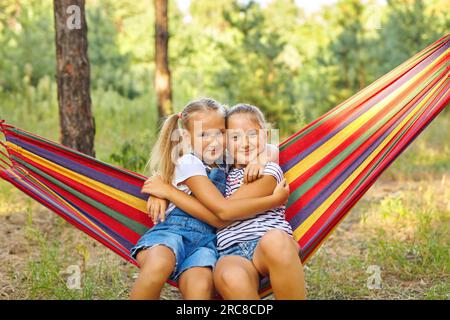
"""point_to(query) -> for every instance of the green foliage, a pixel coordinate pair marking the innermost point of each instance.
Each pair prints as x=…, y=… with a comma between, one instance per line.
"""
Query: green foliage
x=294, y=65
x=129, y=156
x=254, y=72
x=110, y=68
x=27, y=51
x=409, y=27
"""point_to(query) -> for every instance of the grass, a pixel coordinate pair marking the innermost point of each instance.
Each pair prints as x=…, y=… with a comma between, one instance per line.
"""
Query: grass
x=45, y=256
x=401, y=226
x=427, y=157
x=404, y=233
x=54, y=275
x=55, y=256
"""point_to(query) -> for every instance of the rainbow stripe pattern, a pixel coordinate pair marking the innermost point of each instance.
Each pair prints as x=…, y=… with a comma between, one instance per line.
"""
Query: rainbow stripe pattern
x=329, y=164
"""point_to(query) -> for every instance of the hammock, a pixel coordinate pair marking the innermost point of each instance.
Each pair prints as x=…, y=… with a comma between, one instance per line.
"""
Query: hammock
x=329, y=164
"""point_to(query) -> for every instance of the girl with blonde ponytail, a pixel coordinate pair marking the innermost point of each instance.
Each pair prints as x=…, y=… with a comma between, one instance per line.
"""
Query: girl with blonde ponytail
x=182, y=248
x=161, y=156
x=188, y=170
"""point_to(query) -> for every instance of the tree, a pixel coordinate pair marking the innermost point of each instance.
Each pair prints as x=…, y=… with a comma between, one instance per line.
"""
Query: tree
x=73, y=76
x=408, y=29
x=350, y=45
x=255, y=72
x=162, y=73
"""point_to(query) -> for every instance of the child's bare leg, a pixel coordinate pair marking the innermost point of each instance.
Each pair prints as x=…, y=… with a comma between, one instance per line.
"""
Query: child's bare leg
x=156, y=265
x=276, y=255
x=197, y=283
x=236, y=278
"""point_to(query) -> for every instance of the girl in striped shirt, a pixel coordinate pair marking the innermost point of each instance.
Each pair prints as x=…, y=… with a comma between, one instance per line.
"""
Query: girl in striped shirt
x=255, y=246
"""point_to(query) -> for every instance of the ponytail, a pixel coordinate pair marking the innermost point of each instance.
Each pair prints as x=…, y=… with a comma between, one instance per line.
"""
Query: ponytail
x=167, y=149
x=162, y=158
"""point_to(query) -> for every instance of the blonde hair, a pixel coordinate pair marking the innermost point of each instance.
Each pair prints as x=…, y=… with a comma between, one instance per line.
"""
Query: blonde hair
x=249, y=109
x=164, y=153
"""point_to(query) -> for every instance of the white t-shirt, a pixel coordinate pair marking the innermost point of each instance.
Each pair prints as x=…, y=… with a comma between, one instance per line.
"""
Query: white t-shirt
x=187, y=166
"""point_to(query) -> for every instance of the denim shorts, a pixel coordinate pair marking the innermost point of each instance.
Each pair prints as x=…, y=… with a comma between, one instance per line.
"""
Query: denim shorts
x=192, y=241
x=244, y=249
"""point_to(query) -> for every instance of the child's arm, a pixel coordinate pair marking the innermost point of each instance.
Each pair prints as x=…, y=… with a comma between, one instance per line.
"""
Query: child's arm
x=262, y=187
x=195, y=208
x=227, y=210
x=254, y=171
x=156, y=208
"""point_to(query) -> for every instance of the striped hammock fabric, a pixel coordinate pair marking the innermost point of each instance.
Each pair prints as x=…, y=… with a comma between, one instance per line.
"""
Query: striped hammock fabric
x=329, y=164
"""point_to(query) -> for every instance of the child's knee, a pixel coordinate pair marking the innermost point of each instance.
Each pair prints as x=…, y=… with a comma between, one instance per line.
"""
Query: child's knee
x=205, y=285
x=158, y=261
x=277, y=244
x=196, y=283
x=232, y=278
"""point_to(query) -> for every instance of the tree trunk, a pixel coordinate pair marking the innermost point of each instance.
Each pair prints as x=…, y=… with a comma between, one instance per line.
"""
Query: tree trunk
x=162, y=73
x=73, y=76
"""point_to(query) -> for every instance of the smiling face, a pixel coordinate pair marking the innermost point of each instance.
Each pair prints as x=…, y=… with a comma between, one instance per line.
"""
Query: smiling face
x=246, y=139
x=207, y=135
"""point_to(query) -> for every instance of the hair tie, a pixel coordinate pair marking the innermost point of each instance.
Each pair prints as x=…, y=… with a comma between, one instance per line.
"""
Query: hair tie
x=179, y=115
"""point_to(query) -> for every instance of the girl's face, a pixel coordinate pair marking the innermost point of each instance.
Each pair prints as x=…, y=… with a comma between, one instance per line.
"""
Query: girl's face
x=245, y=139
x=207, y=135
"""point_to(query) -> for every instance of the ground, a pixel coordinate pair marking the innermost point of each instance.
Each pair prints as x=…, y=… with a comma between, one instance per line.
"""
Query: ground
x=38, y=247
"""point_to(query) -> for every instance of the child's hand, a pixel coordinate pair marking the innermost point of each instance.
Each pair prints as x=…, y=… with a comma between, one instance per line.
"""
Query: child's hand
x=253, y=171
x=156, y=187
x=156, y=209
x=281, y=191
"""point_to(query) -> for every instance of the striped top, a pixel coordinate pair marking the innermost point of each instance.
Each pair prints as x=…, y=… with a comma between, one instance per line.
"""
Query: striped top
x=252, y=228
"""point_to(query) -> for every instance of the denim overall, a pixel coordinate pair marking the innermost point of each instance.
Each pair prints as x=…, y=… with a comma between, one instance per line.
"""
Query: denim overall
x=192, y=241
